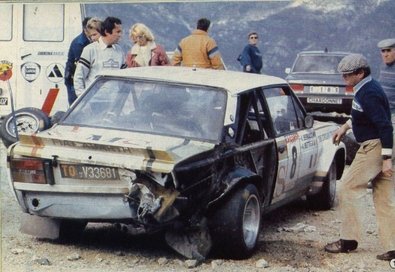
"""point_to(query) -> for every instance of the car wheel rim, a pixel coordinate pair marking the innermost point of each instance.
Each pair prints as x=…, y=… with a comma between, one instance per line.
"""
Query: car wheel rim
x=25, y=123
x=251, y=220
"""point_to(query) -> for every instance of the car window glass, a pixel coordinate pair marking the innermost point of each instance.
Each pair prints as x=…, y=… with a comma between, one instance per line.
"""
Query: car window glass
x=282, y=111
x=317, y=63
x=155, y=108
x=254, y=130
x=252, y=119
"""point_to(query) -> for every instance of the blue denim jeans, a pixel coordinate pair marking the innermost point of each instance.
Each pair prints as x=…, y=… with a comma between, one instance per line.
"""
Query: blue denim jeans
x=71, y=94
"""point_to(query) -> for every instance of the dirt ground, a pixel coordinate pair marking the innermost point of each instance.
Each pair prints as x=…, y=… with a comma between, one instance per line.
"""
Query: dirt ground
x=292, y=239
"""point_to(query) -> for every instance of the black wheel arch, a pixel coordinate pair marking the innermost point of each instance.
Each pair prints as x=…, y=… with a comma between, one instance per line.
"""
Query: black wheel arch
x=237, y=177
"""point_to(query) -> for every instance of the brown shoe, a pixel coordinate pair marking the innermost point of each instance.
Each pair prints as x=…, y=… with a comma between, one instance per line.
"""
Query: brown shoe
x=388, y=256
x=341, y=246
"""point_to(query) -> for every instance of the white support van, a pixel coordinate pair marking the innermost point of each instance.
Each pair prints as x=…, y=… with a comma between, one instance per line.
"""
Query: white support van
x=35, y=38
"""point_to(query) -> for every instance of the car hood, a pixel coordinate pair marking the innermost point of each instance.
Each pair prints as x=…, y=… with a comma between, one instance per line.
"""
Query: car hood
x=108, y=147
x=309, y=78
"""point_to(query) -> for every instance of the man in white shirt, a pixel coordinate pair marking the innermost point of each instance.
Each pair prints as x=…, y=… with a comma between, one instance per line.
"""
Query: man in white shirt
x=103, y=54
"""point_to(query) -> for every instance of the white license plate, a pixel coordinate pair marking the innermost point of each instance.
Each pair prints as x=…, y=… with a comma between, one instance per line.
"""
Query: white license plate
x=83, y=171
x=324, y=89
x=324, y=100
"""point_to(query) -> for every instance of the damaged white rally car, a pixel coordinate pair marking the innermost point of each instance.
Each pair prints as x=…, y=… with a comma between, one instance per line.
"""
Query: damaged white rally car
x=196, y=153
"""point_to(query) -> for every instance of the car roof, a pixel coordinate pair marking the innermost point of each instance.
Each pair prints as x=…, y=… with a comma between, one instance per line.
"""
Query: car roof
x=321, y=52
x=232, y=81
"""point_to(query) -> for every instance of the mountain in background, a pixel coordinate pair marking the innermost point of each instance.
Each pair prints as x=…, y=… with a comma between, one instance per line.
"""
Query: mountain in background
x=285, y=27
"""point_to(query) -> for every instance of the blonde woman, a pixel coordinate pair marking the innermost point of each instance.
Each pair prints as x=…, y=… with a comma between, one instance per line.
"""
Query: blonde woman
x=93, y=26
x=145, y=52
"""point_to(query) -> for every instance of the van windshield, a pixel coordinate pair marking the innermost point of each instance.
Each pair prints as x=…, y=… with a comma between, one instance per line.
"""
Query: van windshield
x=152, y=107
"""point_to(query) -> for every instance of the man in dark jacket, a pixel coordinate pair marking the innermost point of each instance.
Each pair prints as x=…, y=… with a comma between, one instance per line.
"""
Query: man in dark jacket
x=372, y=127
x=387, y=70
x=251, y=57
x=76, y=47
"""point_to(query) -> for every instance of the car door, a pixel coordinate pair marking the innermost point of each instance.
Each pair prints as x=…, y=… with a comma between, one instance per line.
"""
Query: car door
x=256, y=150
x=308, y=149
x=287, y=127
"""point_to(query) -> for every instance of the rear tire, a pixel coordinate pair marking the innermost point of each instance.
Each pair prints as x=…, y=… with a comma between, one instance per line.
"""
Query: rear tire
x=325, y=199
x=28, y=120
x=235, y=224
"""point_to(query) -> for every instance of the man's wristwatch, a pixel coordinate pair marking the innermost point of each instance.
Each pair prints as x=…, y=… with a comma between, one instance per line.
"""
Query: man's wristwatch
x=386, y=157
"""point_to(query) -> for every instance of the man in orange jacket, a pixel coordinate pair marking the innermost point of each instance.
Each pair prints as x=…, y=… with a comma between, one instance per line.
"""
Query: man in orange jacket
x=198, y=49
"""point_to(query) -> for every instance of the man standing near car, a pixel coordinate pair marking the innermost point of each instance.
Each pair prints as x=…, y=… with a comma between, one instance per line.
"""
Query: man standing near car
x=251, y=57
x=371, y=124
x=102, y=54
x=198, y=49
x=76, y=47
x=387, y=70
x=387, y=73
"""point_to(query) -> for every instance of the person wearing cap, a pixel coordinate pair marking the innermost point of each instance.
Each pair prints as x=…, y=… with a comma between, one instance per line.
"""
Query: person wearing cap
x=198, y=49
x=387, y=71
x=372, y=127
x=251, y=57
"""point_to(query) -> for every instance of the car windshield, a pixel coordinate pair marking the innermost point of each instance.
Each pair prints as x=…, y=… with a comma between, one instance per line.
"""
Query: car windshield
x=326, y=64
x=186, y=111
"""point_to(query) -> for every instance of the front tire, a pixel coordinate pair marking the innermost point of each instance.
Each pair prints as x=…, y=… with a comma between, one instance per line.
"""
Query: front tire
x=235, y=224
x=325, y=199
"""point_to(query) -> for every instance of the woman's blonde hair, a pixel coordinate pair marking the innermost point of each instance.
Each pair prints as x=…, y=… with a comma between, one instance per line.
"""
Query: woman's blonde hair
x=141, y=29
x=94, y=23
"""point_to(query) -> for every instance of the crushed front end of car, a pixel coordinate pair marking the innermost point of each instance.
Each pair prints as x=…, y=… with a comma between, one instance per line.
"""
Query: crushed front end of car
x=82, y=181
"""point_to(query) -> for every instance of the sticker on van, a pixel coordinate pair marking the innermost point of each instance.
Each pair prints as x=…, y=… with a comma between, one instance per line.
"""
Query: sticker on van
x=5, y=70
x=55, y=72
x=30, y=71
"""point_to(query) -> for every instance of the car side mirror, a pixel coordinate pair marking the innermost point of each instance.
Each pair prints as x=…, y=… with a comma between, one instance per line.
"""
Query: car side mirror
x=309, y=121
x=287, y=70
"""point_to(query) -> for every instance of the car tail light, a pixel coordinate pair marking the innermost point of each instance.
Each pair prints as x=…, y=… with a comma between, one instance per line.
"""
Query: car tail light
x=349, y=89
x=297, y=87
x=28, y=171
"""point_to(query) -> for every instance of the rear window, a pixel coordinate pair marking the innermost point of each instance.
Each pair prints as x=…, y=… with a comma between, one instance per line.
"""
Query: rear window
x=6, y=22
x=317, y=64
x=152, y=107
x=43, y=22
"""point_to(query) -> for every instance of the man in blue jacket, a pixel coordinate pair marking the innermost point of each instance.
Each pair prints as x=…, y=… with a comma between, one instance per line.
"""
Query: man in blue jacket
x=372, y=127
x=76, y=47
x=251, y=57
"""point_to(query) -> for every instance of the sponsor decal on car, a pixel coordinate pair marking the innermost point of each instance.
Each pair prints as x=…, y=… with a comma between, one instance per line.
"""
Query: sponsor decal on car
x=324, y=100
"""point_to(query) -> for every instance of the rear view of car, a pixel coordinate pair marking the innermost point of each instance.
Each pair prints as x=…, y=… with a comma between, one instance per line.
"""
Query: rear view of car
x=316, y=81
